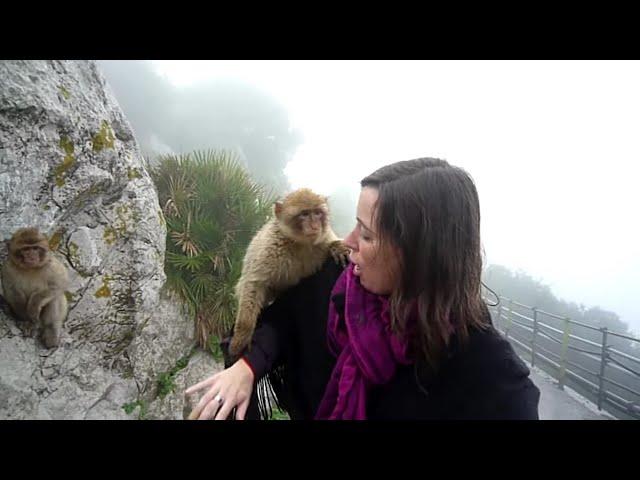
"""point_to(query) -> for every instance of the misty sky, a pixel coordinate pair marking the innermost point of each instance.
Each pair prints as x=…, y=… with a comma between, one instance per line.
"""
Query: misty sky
x=553, y=147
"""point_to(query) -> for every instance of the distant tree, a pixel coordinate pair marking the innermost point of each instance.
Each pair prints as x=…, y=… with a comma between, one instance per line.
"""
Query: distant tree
x=222, y=114
x=145, y=97
x=526, y=290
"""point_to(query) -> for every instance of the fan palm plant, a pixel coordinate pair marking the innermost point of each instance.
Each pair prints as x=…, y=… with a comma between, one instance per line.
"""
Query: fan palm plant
x=212, y=208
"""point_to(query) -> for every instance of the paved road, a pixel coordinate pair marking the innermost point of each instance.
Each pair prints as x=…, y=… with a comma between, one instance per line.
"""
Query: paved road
x=556, y=404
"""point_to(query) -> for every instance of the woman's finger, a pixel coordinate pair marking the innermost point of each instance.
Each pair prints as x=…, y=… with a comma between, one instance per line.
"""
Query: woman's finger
x=206, y=398
x=201, y=385
x=242, y=409
x=225, y=409
x=210, y=410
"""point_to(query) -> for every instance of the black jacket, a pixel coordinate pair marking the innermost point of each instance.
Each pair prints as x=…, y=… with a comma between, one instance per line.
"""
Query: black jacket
x=484, y=380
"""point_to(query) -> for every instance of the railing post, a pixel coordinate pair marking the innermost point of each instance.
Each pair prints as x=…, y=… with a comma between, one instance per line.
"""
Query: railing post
x=533, y=337
x=603, y=364
x=563, y=356
x=509, y=318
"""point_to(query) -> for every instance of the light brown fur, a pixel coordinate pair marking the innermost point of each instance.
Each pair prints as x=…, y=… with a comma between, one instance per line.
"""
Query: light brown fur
x=279, y=256
x=35, y=289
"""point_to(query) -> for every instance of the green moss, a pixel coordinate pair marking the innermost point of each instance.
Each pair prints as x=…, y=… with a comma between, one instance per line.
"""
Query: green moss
x=110, y=235
x=65, y=92
x=69, y=296
x=130, y=407
x=143, y=410
x=46, y=207
x=73, y=252
x=69, y=160
x=166, y=383
x=104, y=138
x=54, y=241
x=119, y=228
x=104, y=290
x=133, y=173
x=214, y=348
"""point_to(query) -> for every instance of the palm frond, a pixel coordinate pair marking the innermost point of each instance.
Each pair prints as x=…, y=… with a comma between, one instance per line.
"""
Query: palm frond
x=212, y=208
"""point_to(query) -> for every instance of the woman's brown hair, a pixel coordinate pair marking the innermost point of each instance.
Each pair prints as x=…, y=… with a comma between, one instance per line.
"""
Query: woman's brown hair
x=429, y=211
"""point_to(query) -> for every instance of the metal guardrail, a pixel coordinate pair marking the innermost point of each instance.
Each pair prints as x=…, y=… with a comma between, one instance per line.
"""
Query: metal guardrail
x=532, y=329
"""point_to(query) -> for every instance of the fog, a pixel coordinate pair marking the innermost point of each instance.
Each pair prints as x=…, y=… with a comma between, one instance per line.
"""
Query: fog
x=553, y=146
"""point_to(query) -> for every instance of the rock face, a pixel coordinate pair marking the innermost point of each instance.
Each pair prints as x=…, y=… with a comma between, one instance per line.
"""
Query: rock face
x=70, y=165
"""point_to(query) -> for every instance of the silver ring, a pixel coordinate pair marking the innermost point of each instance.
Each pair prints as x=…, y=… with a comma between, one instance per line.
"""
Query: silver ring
x=219, y=399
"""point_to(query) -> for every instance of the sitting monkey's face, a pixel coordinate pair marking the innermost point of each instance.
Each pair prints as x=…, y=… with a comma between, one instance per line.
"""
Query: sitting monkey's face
x=32, y=256
x=29, y=249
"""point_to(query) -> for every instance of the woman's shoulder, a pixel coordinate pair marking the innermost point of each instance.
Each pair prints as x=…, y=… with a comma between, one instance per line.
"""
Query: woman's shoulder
x=487, y=355
x=317, y=285
x=485, y=378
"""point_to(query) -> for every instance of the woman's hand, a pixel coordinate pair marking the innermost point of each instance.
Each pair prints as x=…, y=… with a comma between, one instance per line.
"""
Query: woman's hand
x=227, y=389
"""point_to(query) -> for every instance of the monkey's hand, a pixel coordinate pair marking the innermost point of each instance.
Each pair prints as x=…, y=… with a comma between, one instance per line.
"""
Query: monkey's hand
x=339, y=252
x=37, y=300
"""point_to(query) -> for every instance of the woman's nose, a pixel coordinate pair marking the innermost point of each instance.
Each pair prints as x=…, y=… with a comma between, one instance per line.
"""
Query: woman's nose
x=350, y=242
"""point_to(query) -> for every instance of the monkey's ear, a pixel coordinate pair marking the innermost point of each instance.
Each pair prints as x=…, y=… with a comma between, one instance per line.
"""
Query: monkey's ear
x=277, y=209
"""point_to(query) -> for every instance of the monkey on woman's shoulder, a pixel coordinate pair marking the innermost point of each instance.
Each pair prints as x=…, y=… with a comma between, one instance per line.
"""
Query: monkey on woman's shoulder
x=291, y=246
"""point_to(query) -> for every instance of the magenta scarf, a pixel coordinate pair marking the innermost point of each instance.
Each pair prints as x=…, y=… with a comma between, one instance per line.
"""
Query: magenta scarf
x=368, y=352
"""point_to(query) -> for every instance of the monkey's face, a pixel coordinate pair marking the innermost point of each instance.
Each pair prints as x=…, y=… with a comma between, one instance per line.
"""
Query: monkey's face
x=310, y=224
x=305, y=224
x=377, y=268
x=303, y=216
x=32, y=257
x=28, y=248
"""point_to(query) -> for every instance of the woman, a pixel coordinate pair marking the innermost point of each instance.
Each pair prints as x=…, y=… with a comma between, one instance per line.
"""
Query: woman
x=408, y=335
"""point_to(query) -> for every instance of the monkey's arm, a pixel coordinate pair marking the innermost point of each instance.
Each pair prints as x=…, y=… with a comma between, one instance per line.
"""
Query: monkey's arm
x=251, y=300
x=270, y=337
x=57, y=281
x=39, y=299
x=15, y=297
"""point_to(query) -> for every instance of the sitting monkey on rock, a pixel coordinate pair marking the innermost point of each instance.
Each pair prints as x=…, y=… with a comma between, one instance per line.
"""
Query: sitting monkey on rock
x=34, y=282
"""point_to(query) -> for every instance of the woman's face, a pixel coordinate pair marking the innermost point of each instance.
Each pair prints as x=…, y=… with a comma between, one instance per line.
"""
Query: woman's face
x=378, y=269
